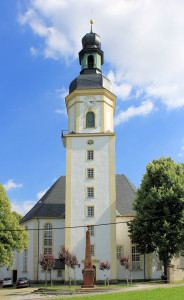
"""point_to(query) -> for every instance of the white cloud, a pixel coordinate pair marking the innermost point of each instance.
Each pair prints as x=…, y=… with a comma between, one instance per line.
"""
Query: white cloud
x=143, y=41
x=12, y=185
x=34, y=51
x=23, y=208
x=61, y=111
x=144, y=109
x=41, y=193
x=62, y=93
x=181, y=153
x=120, y=89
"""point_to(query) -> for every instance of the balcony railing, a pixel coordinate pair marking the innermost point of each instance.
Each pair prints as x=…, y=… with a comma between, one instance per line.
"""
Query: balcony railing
x=63, y=133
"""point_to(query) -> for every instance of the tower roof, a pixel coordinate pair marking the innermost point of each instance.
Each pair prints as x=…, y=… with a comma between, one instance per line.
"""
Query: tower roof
x=91, y=40
x=91, y=58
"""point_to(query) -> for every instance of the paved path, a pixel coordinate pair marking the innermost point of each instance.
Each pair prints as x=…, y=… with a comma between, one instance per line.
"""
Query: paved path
x=25, y=294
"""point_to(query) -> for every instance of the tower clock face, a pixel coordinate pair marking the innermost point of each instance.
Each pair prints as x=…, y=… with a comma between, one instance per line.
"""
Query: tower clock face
x=90, y=102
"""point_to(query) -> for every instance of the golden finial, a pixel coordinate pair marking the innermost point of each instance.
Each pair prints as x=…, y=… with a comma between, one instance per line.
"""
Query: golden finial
x=91, y=22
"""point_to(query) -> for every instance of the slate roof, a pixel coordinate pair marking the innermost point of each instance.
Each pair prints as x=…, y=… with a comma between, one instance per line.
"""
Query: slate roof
x=90, y=80
x=52, y=204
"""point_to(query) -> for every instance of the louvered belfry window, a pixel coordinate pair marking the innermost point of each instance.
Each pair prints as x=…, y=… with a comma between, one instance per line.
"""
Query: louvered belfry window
x=90, y=119
x=90, y=62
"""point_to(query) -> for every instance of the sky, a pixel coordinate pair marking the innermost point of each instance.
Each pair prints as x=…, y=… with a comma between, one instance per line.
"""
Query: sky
x=143, y=44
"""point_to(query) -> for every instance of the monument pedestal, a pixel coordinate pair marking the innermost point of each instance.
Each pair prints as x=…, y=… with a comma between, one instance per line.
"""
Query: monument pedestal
x=88, y=278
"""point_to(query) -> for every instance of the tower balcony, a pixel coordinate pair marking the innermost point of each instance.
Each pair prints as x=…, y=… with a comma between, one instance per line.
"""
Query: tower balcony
x=63, y=133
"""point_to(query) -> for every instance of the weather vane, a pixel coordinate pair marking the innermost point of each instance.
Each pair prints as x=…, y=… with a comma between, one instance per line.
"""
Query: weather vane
x=91, y=20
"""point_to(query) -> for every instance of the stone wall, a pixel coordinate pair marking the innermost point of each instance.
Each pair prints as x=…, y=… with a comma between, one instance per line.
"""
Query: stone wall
x=175, y=274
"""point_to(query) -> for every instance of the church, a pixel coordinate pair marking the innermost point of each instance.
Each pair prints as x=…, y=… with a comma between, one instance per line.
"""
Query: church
x=91, y=195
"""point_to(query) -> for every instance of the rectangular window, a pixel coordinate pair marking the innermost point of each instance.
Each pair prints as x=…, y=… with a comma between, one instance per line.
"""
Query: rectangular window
x=135, y=258
x=91, y=229
x=59, y=273
x=90, y=192
x=90, y=154
x=25, y=264
x=92, y=250
x=47, y=237
x=90, y=211
x=47, y=250
x=118, y=252
x=90, y=173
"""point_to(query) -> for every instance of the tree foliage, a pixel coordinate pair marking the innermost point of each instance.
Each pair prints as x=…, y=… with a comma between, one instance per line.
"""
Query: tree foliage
x=47, y=261
x=159, y=223
x=12, y=235
x=125, y=262
x=104, y=265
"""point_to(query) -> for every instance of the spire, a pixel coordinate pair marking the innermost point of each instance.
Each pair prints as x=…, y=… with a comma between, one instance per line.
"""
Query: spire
x=91, y=22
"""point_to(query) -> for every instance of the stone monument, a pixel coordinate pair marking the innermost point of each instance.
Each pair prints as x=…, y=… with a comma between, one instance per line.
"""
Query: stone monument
x=88, y=272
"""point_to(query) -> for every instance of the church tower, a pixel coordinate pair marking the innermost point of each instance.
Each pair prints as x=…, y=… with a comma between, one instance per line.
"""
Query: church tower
x=90, y=161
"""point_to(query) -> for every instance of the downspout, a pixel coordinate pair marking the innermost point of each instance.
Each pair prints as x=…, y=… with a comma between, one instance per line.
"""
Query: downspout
x=38, y=250
x=144, y=267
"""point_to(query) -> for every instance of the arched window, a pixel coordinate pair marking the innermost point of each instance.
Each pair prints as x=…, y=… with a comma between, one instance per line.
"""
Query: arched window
x=90, y=62
x=47, y=238
x=90, y=119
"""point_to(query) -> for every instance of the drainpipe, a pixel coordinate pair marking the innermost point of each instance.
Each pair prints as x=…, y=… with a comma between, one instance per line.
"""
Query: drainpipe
x=144, y=266
x=38, y=250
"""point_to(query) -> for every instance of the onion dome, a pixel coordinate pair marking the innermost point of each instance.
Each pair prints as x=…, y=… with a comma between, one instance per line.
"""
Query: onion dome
x=91, y=58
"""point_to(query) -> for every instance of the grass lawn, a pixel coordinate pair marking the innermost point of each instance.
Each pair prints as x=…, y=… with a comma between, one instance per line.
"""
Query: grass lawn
x=175, y=293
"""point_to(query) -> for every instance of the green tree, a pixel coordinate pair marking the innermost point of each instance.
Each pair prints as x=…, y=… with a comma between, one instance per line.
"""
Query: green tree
x=159, y=223
x=12, y=235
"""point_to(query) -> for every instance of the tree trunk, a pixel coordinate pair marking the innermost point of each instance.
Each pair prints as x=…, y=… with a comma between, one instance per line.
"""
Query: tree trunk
x=46, y=277
x=127, y=276
x=75, y=277
x=165, y=272
x=50, y=277
x=104, y=279
x=69, y=277
x=130, y=277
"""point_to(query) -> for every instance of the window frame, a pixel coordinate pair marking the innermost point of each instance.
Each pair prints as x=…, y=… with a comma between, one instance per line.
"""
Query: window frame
x=47, y=252
x=25, y=261
x=91, y=230
x=135, y=261
x=87, y=211
x=47, y=237
x=93, y=252
x=87, y=119
x=119, y=254
x=88, y=157
x=88, y=170
x=90, y=192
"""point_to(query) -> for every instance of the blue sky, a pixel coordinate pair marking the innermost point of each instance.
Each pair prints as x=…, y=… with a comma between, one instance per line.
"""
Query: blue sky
x=143, y=44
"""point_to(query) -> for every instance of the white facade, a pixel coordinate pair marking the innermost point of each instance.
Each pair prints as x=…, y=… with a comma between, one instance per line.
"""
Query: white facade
x=102, y=182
